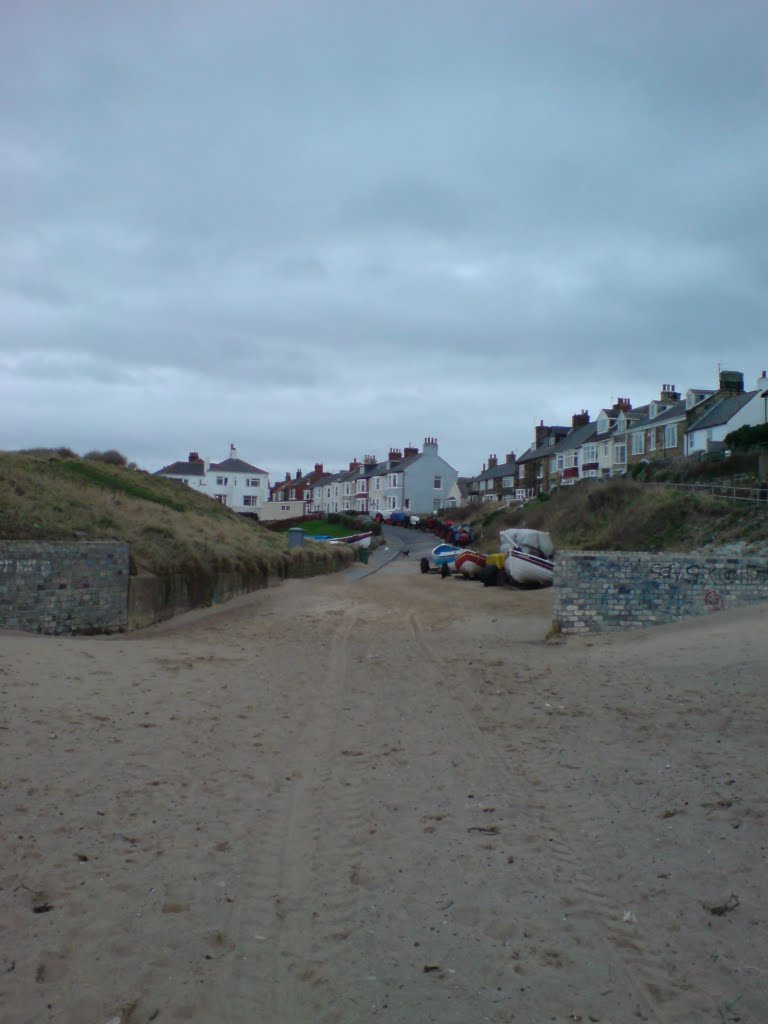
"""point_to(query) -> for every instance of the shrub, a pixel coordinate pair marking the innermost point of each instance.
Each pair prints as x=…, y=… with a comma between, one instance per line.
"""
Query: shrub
x=111, y=457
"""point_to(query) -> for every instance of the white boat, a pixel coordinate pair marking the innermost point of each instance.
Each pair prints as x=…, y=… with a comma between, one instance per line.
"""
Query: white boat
x=529, y=557
x=527, y=570
x=355, y=540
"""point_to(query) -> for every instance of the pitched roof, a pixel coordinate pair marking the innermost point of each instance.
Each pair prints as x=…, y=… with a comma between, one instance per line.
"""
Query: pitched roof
x=182, y=469
x=544, y=450
x=575, y=438
x=724, y=411
x=495, y=472
x=237, y=466
x=674, y=412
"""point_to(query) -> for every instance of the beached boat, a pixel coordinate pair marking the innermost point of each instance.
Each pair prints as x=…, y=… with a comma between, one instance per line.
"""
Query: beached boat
x=470, y=564
x=445, y=554
x=355, y=540
x=528, y=557
x=529, y=570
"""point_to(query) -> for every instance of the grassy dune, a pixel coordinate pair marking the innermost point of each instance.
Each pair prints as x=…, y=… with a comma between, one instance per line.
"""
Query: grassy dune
x=622, y=515
x=167, y=526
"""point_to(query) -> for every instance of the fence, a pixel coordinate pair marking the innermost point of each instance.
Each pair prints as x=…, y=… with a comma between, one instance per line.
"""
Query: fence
x=757, y=496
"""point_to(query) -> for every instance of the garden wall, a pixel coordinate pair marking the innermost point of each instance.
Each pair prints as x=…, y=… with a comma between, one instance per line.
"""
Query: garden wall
x=597, y=591
x=63, y=588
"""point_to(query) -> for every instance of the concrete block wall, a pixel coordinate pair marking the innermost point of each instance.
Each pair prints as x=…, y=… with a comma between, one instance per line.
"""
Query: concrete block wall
x=595, y=591
x=63, y=588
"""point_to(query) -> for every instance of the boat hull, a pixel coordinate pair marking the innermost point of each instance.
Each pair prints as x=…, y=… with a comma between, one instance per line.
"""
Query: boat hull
x=445, y=554
x=470, y=564
x=356, y=540
x=529, y=570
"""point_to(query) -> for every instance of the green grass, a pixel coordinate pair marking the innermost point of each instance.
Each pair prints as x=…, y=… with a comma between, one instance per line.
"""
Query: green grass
x=322, y=528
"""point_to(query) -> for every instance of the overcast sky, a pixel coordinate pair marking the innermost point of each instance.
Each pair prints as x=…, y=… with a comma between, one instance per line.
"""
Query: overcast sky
x=320, y=229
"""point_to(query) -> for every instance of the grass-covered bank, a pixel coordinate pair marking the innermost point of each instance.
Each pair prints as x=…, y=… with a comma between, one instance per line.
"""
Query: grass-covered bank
x=622, y=515
x=168, y=527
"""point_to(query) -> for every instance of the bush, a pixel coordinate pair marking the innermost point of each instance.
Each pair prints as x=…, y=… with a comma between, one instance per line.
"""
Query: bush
x=111, y=457
x=748, y=437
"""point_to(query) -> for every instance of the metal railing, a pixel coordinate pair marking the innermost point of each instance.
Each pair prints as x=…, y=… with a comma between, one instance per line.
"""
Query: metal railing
x=730, y=492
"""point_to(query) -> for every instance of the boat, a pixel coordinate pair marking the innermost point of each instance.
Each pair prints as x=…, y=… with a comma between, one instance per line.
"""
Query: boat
x=445, y=554
x=470, y=564
x=529, y=557
x=355, y=540
x=496, y=559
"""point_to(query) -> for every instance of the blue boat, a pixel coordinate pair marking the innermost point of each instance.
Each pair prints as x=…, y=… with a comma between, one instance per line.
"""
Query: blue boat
x=445, y=554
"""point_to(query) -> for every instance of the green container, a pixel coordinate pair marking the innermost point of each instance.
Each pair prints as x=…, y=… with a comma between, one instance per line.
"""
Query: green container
x=362, y=554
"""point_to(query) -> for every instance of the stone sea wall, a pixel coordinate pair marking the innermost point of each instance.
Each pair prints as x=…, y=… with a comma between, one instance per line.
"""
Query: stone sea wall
x=86, y=588
x=63, y=588
x=596, y=591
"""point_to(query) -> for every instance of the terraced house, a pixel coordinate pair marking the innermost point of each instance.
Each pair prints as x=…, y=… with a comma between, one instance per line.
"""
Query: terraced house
x=533, y=466
x=495, y=482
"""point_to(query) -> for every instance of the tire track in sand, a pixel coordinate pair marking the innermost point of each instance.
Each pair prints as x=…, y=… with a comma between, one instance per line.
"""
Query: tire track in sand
x=628, y=966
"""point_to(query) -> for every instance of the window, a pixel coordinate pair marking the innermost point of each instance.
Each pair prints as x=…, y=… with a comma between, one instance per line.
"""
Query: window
x=652, y=440
x=438, y=483
x=670, y=436
x=407, y=503
x=571, y=459
x=252, y=481
x=221, y=481
x=221, y=498
x=436, y=505
x=292, y=495
x=590, y=453
x=285, y=508
x=378, y=484
x=393, y=480
x=560, y=462
x=638, y=443
x=619, y=454
x=250, y=499
x=605, y=450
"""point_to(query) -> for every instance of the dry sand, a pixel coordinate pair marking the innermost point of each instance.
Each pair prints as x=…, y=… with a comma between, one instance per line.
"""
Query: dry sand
x=392, y=798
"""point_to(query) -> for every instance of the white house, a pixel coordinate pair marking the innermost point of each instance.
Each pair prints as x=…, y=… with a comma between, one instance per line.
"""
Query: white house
x=237, y=484
x=748, y=409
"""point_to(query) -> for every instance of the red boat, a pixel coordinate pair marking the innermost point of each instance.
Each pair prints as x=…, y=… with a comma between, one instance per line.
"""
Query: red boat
x=470, y=564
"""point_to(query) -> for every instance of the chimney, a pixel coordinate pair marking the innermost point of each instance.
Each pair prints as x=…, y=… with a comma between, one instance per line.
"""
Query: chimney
x=353, y=465
x=319, y=468
x=369, y=460
x=668, y=393
x=409, y=451
x=194, y=457
x=541, y=433
x=395, y=455
x=622, y=405
x=298, y=474
x=430, y=443
x=510, y=458
x=579, y=419
x=492, y=462
x=731, y=382
x=287, y=477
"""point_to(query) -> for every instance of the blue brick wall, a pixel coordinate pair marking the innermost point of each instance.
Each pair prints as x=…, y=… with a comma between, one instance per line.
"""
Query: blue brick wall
x=596, y=591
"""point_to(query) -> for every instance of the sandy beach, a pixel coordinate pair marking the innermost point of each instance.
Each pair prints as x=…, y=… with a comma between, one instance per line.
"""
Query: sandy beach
x=391, y=797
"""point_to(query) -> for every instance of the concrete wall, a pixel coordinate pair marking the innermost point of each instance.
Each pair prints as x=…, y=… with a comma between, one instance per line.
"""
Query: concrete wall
x=63, y=588
x=596, y=591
